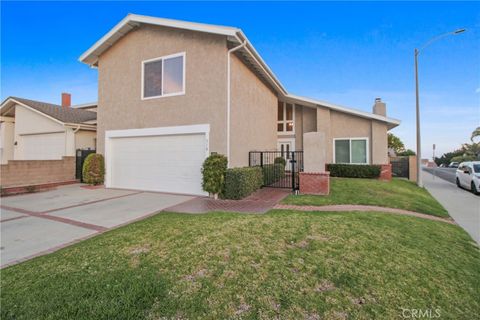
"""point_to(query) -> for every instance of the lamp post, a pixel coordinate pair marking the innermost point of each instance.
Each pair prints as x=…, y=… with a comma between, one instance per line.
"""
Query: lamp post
x=417, y=100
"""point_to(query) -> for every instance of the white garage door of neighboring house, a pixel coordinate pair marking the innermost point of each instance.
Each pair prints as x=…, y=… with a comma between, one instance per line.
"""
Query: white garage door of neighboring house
x=48, y=146
x=157, y=159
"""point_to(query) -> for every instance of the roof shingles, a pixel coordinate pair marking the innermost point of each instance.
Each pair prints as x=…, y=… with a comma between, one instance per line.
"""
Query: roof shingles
x=66, y=115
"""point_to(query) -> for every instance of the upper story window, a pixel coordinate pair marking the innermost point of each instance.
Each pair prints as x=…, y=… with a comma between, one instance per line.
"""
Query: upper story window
x=351, y=150
x=163, y=76
x=286, y=114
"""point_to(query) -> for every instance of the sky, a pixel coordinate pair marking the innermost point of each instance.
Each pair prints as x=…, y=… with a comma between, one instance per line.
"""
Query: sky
x=347, y=53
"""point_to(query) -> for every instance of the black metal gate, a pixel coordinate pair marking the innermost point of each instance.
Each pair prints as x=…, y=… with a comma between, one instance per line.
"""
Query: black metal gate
x=280, y=168
x=400, y=167
x=81, y=154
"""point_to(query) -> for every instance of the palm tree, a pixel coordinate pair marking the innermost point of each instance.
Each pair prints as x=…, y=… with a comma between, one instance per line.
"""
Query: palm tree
x=475, y=133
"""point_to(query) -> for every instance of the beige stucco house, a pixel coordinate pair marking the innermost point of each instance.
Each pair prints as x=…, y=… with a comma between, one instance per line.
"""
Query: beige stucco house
x=34, y=130
x=171, y=92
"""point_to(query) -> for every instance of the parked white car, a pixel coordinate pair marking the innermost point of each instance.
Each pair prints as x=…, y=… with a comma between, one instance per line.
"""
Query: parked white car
x=468, y=176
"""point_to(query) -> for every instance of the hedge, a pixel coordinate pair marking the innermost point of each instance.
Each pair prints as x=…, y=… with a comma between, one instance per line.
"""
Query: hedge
x=241, y=182
x=272, y=173
x=354, y=170
x=93, y=170
x=213, y=174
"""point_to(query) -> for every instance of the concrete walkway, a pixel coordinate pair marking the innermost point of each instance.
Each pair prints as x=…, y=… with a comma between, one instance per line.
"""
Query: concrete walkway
x=258, y=202
x=462, y=205
x=352, y=207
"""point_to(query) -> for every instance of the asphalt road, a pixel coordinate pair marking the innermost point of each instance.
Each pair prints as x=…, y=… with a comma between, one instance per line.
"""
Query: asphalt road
x=447, y=174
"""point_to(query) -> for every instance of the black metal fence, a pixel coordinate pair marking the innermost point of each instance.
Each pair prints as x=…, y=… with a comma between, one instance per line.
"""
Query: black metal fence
x=81, y=154
x=400, y=167
x=280, y=169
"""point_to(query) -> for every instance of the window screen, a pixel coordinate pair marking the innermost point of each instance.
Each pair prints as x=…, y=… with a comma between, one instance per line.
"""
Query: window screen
x=342, y=151
x=152, y=79
x=359, y=151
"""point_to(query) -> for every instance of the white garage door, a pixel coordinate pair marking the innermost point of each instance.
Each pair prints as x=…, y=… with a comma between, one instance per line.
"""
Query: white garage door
x=165, y=163
x=49, y=146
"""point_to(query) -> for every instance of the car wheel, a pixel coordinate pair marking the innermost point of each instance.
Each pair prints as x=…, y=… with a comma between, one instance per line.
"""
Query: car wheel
x=474, y=188
x=458, y=183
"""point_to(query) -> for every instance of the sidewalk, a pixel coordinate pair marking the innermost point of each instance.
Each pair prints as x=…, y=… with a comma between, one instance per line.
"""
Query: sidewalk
x=462, y=205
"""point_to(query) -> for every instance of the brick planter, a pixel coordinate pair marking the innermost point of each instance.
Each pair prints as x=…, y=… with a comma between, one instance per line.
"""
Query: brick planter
x=316, y=183
x=385, y=172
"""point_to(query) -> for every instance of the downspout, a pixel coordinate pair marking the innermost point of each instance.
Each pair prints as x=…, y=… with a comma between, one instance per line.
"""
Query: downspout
x=228, y=96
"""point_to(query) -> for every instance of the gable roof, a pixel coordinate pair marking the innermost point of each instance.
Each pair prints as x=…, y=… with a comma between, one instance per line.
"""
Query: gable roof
x=235, y=37
x=391, y=122
x=65, y=115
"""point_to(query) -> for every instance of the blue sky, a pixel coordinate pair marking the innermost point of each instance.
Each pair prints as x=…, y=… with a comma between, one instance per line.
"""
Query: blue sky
x=345, y=53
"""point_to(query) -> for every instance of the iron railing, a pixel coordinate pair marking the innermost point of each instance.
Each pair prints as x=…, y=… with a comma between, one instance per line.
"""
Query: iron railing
x=280, y=168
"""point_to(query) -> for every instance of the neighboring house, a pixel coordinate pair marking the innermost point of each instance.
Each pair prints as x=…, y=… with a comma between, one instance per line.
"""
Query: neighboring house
x=34, y=130
x=172, y=92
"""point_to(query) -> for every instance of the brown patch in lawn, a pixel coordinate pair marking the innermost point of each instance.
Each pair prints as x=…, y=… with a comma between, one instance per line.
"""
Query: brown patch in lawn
x=359, y=301
x=312, y=316
x=136, y=252
x=140, y=249
x=325, y=285
x=199, y=274
x=242, y=308
x=340, y=315
x=318, y=237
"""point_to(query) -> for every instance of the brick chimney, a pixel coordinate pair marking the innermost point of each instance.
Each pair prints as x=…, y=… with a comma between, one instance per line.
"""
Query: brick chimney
x=380, y=107
x=66, y=100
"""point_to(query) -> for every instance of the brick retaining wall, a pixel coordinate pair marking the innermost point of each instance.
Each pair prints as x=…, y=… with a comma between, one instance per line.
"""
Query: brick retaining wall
x=18, y=173
x=317, y=183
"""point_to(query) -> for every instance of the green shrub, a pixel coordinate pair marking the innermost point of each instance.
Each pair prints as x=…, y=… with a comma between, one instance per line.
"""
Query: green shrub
x=272, y=173
x=213, y=172
x=354, y=170
x=463, y=158
x=241, y=182
x=280, y=160
x=93, y=170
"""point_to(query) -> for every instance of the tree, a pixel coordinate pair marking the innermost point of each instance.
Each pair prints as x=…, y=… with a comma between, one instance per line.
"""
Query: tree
x=475, y=133
x=407, y=152
x=395, y=143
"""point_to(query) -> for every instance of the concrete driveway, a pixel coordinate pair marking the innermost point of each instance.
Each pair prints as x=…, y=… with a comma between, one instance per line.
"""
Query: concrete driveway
x=38, y=223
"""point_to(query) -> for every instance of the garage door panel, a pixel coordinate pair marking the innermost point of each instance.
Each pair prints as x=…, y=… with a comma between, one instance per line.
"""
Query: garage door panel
x=170, y=163
x=49, y=146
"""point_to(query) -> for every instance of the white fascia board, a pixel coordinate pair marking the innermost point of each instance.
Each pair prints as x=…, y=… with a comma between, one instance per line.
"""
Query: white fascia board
x=85, y=105
x=344, y=109
x=85, y=126
x=89, y=57
x=262, y=63
x=192, y=129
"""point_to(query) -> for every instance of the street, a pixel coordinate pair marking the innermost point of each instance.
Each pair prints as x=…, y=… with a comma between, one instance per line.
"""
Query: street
x=447, y=174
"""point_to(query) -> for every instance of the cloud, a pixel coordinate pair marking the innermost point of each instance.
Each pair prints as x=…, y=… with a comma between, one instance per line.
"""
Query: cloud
x=478, y=90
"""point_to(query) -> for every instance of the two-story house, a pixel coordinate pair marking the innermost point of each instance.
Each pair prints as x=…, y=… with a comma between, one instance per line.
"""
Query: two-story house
x=172, y=92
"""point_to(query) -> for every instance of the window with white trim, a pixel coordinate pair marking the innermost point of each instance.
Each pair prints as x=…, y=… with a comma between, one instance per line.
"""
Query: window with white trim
x=351, y=150
x=285, y=117
x=164, y=76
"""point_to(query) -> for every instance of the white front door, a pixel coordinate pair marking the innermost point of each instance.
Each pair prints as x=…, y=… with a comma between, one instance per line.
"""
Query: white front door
x=285, y=146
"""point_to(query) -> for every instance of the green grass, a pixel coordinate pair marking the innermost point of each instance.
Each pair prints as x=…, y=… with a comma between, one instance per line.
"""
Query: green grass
x=284, y=264
x=401, y=194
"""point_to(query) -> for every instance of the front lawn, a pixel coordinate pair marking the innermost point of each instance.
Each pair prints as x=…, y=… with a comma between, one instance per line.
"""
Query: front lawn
x=284, y=264
x=398, y=193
